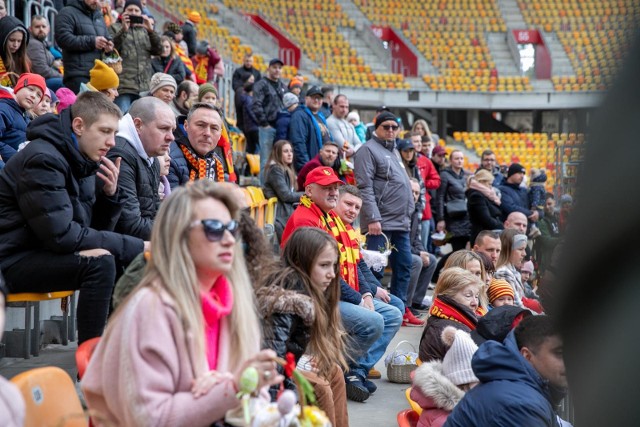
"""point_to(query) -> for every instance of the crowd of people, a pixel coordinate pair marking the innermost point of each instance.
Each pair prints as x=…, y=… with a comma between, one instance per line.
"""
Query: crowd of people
x=119, y=180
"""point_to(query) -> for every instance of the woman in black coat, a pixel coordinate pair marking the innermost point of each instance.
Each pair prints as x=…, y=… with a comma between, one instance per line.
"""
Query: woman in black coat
x=451, y=209
x=483, y=204
x=168, y=62
x=280, y=182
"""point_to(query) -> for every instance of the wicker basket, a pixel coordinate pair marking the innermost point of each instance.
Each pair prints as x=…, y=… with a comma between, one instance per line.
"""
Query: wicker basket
x=401, y=374
x=113, y=60
x=376, y=260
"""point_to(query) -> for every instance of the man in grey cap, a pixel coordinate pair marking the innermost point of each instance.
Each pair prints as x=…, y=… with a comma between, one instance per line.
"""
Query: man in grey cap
x=268, y=94
x=308, y=129
x=387, y=202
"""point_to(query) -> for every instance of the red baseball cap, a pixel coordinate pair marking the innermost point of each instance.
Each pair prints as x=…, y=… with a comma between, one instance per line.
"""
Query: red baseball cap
x=322, y=175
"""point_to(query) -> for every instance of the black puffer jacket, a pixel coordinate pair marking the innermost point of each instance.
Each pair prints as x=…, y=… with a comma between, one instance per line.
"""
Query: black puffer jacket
x=138, y=184
x=287, y=319
x=48, y=199
x=77, y=27
x=452, y=187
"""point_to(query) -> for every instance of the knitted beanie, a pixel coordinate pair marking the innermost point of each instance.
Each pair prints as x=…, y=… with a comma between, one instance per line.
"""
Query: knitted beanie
x=160, y=80
x=30, y=79
x=102, y=77
x=456, y=364
x=290, y=99
x=133, y=2
x=384, y=117
x=295, y=82
x=527, y=266
x=206, y=88
x=194, y=17
x=66, y=97
x=499, y=288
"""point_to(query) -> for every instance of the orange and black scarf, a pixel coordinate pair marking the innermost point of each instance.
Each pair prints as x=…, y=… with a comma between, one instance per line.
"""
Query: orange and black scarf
x=201, y=168
x=444, y=310
x=347, y=242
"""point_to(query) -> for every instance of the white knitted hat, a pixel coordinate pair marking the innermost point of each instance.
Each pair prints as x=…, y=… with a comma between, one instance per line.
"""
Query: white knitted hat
x=159, y=80
x=456, y=364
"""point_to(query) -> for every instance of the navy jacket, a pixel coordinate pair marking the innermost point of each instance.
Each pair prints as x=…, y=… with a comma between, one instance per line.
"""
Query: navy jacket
x=514, y=199
x=282, y=124
x=510, y=393
x=305, y=136
x=13, y=125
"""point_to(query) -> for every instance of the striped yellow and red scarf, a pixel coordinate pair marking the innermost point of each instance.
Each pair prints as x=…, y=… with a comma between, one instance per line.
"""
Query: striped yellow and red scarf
x=5, y=78
x=347, y=242
x=443, y=310
x=183, y=56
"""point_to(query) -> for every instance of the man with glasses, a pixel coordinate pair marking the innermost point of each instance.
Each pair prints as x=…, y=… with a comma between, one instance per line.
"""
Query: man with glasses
x=193, y=155
x=387, y=200
x=488, y=162
x=308, y=130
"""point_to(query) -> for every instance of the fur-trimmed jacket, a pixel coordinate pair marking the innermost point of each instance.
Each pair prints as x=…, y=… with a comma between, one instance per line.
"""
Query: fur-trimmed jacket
x=435, y=394
x=287, y=319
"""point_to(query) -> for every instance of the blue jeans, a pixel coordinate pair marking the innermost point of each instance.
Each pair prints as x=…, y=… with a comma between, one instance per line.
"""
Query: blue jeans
x=420, y=279
x=363, y=326
x=392, y=317
x=265, y=137
x=399, y=260
x=125, y=100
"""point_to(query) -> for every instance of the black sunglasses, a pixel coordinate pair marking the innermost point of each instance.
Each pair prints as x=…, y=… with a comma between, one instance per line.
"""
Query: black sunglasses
x=387, y=127
x=214, y=229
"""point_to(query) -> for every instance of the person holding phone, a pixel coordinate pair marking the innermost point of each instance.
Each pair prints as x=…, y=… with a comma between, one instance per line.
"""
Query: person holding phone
x=135, y=40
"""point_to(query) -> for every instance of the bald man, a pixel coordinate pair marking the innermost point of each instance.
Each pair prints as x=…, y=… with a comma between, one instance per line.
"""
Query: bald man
x=517, y=221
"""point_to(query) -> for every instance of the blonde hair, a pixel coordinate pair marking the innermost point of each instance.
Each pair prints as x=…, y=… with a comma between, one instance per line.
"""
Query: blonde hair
x=452, y=280
x=424, y=125
x=460, y=259
x=171, y=267
x=483, y=176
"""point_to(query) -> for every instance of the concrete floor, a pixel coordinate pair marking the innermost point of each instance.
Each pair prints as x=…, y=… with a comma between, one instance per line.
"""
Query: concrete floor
x=379, y=410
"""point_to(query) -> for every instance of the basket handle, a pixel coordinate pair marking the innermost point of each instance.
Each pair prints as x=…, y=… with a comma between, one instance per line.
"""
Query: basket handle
x=387, y=244
x=403, y=342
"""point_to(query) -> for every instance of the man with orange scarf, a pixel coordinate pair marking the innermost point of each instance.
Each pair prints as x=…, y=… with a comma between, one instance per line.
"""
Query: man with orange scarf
x=357, y=309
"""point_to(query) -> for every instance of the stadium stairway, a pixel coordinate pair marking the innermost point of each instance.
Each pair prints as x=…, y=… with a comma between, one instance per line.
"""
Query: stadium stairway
x=561, y=63
x=511, y=13
x=502, y=56
x=263, y=44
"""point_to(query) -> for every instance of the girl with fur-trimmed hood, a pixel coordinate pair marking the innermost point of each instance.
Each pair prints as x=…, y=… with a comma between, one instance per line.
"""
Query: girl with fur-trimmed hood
x=438, y=386
x=299, y=305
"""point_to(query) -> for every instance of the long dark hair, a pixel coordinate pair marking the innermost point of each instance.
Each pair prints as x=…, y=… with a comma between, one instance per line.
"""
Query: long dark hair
x=327, y=344
x=275, y=159
x=18, y=62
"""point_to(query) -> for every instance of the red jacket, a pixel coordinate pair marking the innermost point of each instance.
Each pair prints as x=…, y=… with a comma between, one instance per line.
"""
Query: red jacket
x=431, y=182
x=301, y=217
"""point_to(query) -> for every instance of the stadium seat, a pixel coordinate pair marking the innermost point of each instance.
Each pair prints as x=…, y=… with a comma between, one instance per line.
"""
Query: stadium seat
x=32, y=300
x=407, y=418
x=84, y=353
x=50, y=398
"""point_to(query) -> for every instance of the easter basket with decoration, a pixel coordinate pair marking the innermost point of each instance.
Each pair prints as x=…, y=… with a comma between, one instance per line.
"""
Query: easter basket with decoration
x=376, y=260
x=290, y=409
x=400, y=364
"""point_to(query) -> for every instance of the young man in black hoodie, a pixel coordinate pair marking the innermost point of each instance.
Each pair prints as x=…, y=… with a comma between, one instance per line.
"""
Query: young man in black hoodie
x=54, y=228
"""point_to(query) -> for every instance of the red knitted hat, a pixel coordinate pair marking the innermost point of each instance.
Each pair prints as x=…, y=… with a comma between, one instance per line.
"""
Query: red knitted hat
x=30, y=79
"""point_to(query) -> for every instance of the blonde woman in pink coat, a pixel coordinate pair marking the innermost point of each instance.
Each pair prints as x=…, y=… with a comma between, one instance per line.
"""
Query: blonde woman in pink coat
x=173, y=352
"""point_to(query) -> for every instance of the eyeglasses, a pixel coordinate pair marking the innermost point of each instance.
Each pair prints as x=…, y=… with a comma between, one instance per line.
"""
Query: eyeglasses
x=392, y=127
x=214, y=229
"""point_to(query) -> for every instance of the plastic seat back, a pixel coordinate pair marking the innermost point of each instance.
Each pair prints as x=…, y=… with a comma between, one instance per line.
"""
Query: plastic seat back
x=408, y=418
x=50, y=398
x=84, y=353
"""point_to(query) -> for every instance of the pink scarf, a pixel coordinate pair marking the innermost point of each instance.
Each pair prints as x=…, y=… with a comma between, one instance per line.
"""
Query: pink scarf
x=489, y=193
x=215, y=305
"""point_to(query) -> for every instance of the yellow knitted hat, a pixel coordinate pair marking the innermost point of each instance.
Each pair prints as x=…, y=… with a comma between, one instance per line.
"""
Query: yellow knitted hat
x=102, y=77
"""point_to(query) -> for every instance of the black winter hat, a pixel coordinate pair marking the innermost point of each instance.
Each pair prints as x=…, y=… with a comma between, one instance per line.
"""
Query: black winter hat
x=133, y=2
x=515, y=168
x=383, y=117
